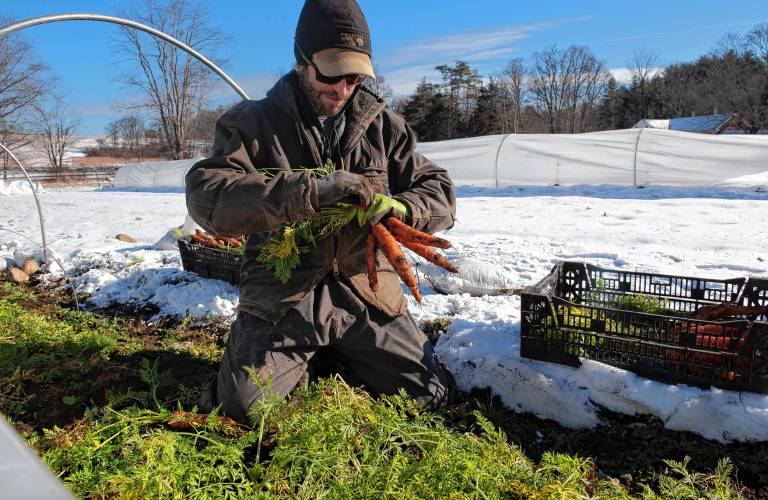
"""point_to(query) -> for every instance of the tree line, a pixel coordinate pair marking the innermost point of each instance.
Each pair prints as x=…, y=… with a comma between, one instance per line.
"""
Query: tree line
x=555, y=90
x=569, y=90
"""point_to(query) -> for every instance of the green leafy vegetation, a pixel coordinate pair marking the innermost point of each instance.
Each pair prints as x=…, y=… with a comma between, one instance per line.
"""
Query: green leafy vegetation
x=31, y=339
x=329, y=440
x=282, y=253
x=337, y=442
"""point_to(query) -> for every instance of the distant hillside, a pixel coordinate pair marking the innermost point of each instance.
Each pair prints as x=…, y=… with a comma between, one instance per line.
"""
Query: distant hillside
x=33, y=156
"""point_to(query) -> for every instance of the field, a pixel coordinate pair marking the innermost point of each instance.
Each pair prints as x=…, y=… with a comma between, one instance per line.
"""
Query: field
x=151, y=342
x=109, y=403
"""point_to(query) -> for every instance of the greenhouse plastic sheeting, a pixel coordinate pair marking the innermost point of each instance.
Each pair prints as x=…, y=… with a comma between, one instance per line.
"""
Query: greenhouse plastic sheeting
x=22, y=474
x=619, y=157
x=161, y=174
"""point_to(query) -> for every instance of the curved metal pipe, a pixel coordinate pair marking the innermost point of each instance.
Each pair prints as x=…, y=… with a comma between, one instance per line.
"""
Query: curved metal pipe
x=125, y=22
x=496, y=164
x=37, y=201
x=7, y=30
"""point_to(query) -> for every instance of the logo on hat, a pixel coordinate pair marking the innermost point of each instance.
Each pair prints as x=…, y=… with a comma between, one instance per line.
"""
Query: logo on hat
x=352, y=39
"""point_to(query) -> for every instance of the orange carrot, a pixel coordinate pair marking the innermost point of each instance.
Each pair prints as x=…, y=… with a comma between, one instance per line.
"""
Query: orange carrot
x=182, y=420
x=198, y=239
x=431, y=255
x=373, y=280
x=206, y=239
x=403, y=232
x=233, y=242
x=395, y=256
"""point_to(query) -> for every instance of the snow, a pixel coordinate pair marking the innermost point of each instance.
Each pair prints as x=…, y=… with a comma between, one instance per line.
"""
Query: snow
x=17, y=187
x=33, y=155
x=514, y=235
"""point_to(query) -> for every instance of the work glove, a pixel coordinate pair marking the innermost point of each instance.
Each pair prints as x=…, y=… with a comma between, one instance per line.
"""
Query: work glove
x=344, y=186
x=380, y=208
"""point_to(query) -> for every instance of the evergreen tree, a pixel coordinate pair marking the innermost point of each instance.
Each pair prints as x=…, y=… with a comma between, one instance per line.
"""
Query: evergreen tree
x=493, y=111
x=461, y=86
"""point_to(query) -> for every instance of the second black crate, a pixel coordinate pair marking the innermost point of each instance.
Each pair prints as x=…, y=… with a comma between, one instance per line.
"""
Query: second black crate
x=644, y=323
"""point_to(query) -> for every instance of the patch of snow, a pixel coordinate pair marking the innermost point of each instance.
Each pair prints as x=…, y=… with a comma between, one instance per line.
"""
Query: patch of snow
x=19, y=187
x=516, y=234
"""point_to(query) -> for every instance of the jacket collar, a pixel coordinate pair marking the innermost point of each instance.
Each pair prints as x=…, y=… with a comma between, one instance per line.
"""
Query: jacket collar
x=362, y=109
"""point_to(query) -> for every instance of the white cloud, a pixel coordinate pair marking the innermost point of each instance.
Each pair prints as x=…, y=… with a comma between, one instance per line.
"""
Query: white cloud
x=406, y=66
x=677, y=32
x=624, y=75
x=460, y=46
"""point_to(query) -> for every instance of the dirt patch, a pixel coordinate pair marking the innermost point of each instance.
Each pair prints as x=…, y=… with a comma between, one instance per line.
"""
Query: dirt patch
x=58, y=393
x=628, y=448
x=100, y=161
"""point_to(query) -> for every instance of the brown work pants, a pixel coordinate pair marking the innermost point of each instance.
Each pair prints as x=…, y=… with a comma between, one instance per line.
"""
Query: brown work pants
x=385, y=353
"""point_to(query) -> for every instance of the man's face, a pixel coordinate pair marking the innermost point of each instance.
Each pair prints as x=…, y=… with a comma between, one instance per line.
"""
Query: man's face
x=326, y=100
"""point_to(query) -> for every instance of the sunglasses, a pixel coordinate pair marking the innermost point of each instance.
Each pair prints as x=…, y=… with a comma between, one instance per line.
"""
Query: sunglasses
x=351, y=80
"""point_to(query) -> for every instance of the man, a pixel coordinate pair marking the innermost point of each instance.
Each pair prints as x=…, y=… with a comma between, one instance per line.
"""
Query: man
x=320, y=111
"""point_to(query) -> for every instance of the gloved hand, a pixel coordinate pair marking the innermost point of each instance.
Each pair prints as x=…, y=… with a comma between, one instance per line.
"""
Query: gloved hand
x=344, y=186
x=382, y=206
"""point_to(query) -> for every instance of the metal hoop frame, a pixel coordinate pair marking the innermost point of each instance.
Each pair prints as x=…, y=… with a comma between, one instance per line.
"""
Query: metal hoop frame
x=35, y=21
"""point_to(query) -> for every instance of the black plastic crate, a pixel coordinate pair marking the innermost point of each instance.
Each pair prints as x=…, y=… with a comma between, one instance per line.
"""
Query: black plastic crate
x=585, y=311
x=210, y=262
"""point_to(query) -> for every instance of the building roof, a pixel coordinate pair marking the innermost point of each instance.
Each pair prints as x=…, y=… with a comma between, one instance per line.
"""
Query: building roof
x=703, y=124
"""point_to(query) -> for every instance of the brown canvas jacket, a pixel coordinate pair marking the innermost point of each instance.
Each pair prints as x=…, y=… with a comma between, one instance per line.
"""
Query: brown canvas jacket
x=227, y=196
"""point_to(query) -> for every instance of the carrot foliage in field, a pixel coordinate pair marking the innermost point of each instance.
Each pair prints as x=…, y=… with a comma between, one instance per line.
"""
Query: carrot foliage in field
x=329, y=440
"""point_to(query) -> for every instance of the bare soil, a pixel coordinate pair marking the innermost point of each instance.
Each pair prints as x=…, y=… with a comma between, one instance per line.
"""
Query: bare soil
x=108, y=161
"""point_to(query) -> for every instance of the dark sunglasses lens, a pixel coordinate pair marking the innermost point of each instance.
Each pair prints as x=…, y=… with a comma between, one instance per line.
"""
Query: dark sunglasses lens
x=333, y=80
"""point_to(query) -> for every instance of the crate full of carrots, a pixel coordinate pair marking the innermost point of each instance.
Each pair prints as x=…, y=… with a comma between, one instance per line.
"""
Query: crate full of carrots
x=212, y=257
x=676, y=329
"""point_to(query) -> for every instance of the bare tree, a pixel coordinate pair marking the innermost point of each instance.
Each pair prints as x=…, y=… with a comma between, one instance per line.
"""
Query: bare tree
x=757, y=41
x=24, y=82
x=380, y=87
x=548, y=86
x=729, y=43
x=516, y=78
x=131, y=129
x=643, y=66
x=113, y=131
x=174, y=83
x=566, y=86
x=589, y=80
x=57, y=134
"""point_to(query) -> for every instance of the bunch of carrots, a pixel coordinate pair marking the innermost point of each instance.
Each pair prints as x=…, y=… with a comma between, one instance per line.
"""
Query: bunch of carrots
x=220, y=242
x=724, y=340
x=387, y=234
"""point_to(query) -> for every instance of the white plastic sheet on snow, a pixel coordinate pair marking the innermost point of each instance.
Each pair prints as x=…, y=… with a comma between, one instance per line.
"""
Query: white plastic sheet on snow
x=629, y=157
x=161, y=174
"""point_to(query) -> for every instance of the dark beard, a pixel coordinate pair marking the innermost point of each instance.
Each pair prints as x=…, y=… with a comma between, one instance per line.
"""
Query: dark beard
x=313, y=96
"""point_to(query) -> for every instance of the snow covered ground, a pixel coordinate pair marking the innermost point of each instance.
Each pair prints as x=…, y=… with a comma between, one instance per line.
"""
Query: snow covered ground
x=517, y=234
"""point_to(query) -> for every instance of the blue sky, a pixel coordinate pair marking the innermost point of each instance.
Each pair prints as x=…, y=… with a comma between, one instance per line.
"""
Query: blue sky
x=409, y=38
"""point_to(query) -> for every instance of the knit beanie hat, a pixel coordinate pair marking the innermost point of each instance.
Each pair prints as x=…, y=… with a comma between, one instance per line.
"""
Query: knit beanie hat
x=334, y=24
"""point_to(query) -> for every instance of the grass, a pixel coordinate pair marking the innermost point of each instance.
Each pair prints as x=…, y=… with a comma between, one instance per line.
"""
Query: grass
x=330, y=440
